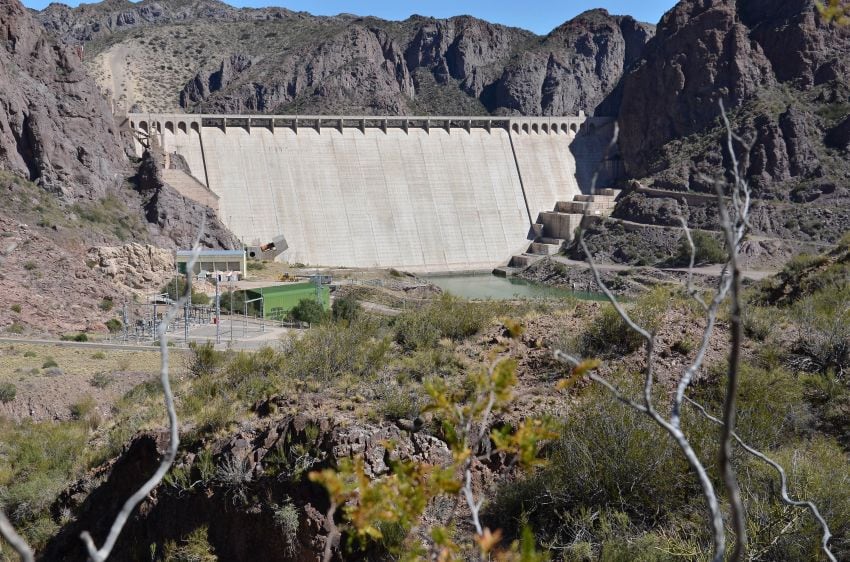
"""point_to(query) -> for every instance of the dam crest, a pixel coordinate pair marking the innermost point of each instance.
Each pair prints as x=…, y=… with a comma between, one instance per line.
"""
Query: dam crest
x=425, y=194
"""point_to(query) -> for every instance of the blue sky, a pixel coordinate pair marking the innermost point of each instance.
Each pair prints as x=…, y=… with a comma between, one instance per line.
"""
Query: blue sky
x=540, y=16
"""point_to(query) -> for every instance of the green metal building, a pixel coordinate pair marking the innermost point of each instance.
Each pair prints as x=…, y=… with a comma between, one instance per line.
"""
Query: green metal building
x=278, y=300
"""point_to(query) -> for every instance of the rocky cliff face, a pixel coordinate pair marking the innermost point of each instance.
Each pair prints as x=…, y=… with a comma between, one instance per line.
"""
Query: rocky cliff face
x=782, y=74
x=367, y=68
x=55, y=127
x=272, y=60
x=259, y=468
x=94, y=21
x=174, y=219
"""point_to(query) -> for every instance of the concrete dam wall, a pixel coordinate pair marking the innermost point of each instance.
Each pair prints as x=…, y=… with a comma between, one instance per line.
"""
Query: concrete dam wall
x=423, y=194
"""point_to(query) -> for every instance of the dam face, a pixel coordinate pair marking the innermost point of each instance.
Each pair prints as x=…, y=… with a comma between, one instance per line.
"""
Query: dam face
x=423, y=194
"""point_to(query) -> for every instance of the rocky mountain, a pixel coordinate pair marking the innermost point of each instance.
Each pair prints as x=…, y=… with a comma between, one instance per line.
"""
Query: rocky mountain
x=68, y=186
x=780, y=70
x=211, y=57
x=55, y=127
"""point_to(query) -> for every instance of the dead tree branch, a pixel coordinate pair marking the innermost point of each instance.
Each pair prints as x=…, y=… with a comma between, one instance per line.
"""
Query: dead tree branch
x=16, y=541
x=783, y=481
x=101, y=554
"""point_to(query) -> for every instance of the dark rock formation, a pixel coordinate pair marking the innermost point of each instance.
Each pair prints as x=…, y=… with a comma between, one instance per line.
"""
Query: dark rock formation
x=756, y=57
x=241, y=528
x=55, y=128
x=178, y=218
x=97, y=20
x=839, y=135
x=365, y=68
x=348, y=64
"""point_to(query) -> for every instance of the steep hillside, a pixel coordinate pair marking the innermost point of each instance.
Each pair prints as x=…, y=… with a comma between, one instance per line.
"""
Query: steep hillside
x=211, y=57
x=55, y=127
x=67, y=186
x=782, y=73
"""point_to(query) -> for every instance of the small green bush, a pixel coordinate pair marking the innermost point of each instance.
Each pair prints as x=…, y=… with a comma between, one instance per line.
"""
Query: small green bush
x=15, y=328
x=80, y=337
x=8, y=391
x=308, y=310
x=101, y=380
x=334, y=349
x=706, y=249
x=195, y=547
x=30, y=266
x=255, y=265
x=346, y=308
x=447, y=317
x=205, y=360
x=49, y=362
x=16, y=308
x=30, y=354
x=114, y=325
x=106, y=304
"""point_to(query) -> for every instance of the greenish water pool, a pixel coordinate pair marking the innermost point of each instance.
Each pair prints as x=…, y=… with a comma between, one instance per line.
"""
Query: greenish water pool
x=488, y=286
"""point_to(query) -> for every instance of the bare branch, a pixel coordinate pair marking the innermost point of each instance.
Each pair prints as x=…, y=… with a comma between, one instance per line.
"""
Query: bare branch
x=717, y=530
x=101, y=554
x=783, y=480
x=15, y=540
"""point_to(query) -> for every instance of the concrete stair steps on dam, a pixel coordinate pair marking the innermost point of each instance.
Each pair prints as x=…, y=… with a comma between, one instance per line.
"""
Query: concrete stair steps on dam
x=191, y=188
x=554, y=228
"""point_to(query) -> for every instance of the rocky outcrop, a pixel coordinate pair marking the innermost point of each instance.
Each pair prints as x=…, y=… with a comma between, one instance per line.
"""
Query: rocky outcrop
x=178, y=218
x=348, y=64
x=206, y=83
x=755, y=57
x=701, y=53
x=577, y=66
x=139, y=267
x=97, y=20
x=360, y=69
x=363, y=68
x=256, y=469
x=55, y=128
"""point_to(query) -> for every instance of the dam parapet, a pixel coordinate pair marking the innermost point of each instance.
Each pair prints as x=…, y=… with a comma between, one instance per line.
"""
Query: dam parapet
x=422, y=193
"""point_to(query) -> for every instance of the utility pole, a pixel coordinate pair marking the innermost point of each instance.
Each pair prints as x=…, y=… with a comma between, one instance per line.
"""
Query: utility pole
x=217, y=313
x=124, y=319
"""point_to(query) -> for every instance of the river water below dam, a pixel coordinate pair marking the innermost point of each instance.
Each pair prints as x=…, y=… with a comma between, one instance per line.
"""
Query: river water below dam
x=488, y=286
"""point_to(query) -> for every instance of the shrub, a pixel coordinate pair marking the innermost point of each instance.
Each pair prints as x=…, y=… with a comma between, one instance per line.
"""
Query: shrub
x=706, y=249
x=49, y=362
x=106, y=304
x=16, y=308
x=195, y=547
x=447, y=317
x=177, y=287
x=823, y=328
x=346, y=308
x=308, y=310
x=30, y=266
x=80, y=337
x=609, y=459
x=101, y=380
x=15, y=328
x=98, y=355
x=399, y=403
x=205, y=360
x=84, y=407
x=30, y=354
x=235, y=476
x=286, y=518
x=114, y=325
x=333, y=349
x=255, y=265
x=8, y=391
x=608, y=335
